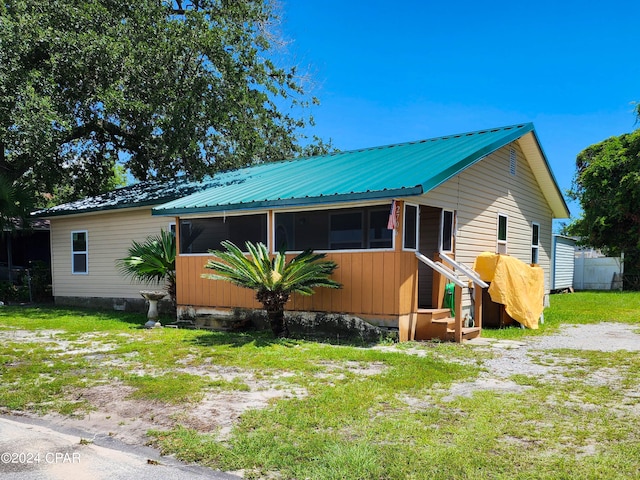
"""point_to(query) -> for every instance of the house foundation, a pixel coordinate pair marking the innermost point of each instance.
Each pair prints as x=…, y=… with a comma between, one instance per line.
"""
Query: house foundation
x=331, y=326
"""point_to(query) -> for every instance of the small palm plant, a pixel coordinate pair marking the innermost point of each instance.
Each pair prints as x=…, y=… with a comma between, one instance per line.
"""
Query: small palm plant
x=153, y=261
x=273, y=279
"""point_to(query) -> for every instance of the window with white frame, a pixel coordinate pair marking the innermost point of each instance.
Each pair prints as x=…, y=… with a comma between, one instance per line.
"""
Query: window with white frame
x=186, y=238
x=535, y=242
x=410, y=241
x=502, y=233
x=79, y=252
x=446, y=231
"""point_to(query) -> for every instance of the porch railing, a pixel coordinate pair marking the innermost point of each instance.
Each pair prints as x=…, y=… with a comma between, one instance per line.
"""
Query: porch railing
x=478, y=285
x=471, y=274
x=442, y=269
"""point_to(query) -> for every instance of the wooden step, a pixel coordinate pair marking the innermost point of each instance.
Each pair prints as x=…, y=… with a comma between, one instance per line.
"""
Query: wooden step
x=467, y=333
x=444, y=321
x=434, y=313
x=432, y=323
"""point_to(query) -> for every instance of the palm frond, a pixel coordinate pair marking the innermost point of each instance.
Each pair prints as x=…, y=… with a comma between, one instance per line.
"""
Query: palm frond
x=150, y=261
x=258, y=271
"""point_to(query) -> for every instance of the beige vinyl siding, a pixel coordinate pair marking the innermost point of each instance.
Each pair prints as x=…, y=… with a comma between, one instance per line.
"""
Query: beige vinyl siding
x=487, y=188
x=109, y=236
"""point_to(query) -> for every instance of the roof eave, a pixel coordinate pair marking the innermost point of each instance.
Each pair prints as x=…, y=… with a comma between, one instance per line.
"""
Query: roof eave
x=518, y=132
x=544, y=176
x=63, y=213
x=291, y=202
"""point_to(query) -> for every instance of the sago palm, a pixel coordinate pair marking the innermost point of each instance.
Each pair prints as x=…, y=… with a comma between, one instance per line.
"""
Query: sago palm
x=153, y=261
x=272, y=277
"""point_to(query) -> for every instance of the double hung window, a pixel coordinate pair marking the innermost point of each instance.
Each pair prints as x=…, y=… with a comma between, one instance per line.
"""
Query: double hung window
x=79, y=252
x=502, y=234
x=446, y=234
x=535, y=242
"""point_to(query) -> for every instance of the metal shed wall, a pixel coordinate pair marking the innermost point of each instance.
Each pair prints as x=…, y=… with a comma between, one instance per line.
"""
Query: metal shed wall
x=563, y=262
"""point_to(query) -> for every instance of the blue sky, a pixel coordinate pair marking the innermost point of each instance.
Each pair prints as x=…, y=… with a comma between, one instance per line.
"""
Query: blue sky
x=393, y=72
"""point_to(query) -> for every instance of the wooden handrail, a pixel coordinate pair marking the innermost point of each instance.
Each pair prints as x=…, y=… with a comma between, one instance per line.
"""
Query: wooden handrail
x=459, y=285
x=442, y=269
x=473, y=275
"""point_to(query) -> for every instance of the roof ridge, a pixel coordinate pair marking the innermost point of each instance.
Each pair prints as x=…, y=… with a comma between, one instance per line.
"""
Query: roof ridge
x=413, y=142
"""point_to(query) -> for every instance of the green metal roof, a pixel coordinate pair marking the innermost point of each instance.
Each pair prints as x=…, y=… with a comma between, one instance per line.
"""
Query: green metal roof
x=390, y=171
x=136, y=195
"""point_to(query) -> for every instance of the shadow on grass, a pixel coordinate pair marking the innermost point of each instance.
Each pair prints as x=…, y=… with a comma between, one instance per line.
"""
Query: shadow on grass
x=258, y=339
x=51, y=313
x=262, y=339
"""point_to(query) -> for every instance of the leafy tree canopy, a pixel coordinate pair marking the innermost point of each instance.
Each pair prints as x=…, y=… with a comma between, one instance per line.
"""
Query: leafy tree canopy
x=15, y=205
x=161, y=86
x=607, y=185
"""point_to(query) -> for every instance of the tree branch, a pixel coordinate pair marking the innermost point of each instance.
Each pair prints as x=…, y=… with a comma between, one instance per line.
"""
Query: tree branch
x=98, y=126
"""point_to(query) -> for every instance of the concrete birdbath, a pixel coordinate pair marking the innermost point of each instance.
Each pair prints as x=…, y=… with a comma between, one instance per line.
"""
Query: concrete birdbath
x=152, y=315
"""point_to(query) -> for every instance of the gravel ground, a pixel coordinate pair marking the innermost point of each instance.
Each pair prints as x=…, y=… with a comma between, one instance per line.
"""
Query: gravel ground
x=531, y=356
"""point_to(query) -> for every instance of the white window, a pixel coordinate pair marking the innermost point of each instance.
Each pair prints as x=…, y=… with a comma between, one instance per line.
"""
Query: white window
x=79, y=252
x=502, y=234
x=410, y=230
x=535, y=242
x=447, y=230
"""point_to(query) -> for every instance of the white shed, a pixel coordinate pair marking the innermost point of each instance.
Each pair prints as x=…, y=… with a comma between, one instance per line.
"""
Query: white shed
x=563, y=255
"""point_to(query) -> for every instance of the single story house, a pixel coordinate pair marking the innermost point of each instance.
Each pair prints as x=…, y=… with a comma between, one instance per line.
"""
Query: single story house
x=383, y=214
x=88, y=236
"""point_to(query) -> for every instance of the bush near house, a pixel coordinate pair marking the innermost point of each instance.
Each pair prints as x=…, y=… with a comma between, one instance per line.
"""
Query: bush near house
x=273, y=279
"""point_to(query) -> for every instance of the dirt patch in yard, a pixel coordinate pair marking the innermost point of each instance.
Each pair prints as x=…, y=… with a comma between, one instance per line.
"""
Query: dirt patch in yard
x=115, y=413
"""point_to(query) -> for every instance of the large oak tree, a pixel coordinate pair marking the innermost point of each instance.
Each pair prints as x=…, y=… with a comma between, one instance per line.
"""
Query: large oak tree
x=163, y=87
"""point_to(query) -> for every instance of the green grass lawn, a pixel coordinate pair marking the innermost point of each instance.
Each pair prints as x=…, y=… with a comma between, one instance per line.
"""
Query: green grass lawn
x=379, y=412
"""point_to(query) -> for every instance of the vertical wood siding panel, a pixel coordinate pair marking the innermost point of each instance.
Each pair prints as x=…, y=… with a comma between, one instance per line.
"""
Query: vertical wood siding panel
x=336, y=296
x=367, y=284
x=373, y=284
x=356, y=282
x=208, y=285
x=200, y=290
x=179, y=281
x=182, y=266
x=407, y=282
x=389, y=285
x=377, y=274
x=192, y=281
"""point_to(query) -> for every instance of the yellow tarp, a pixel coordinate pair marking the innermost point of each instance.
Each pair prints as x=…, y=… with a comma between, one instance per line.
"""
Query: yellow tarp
x=516, y=285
